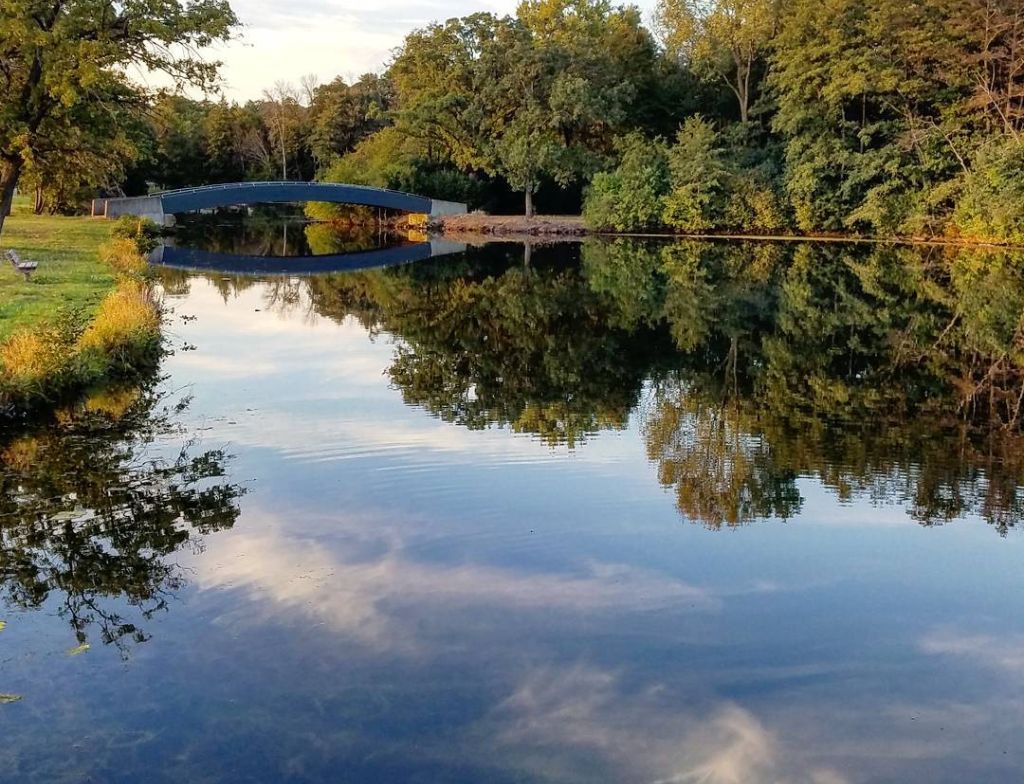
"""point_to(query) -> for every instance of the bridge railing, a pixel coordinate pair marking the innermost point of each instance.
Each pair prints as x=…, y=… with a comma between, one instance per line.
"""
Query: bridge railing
x=279, y=183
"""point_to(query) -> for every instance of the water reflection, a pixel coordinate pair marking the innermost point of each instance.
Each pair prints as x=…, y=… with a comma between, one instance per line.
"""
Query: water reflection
x=492, y=340
x=277, y=231
x=461, y=557
x=89, y=516
x=275, y=243
x=890, y=373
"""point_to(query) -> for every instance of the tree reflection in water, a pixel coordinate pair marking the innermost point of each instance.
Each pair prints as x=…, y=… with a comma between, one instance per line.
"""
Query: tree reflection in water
x=892, y=373
x=90, y=516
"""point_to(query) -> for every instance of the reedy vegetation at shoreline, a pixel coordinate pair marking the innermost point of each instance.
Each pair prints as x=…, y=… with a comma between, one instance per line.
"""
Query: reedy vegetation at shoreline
x=93, y=322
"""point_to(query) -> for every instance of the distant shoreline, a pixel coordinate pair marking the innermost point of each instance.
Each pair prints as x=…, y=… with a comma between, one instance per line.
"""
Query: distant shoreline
x=567, y=227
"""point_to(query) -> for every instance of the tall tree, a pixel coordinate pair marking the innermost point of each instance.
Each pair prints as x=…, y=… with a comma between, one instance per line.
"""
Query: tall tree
x=867, y=92
x=56, y=55
x=540, y=96
x=104, y=138
x=178, y=127
x=285, y=117
x=724, y=39
x=342, y=115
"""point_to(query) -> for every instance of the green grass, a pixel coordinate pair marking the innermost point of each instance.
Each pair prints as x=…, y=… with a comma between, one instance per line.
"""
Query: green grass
x=71, y=275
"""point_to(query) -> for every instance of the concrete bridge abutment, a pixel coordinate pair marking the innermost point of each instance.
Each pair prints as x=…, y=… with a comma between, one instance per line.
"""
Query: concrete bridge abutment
x=148, y=207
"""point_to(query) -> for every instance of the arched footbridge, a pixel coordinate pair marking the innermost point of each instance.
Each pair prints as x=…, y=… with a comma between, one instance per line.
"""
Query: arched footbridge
x=161, y=207
x=300, y=266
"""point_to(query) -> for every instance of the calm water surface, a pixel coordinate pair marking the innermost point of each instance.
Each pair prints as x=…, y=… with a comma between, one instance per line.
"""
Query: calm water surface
x=618, y=512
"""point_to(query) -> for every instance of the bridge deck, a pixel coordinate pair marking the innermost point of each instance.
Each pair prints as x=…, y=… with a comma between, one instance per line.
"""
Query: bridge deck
x=230, y=194
x=300, y=266
x=158, y=206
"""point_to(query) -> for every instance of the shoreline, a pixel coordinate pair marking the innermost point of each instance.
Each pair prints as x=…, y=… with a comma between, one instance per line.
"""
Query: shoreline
x=87, y=318
x=564, y=228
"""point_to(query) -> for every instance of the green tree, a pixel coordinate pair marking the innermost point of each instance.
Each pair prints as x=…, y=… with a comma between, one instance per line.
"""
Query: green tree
x=630, y=198
x=342, y=115
x=224, y=128
x=104, y=139
x=699, y=179
x=435, y=74
x=180, y=158
x=57, y=56
x=592, y=63
x=536, y=98
x=724, y=39
x=883, y=106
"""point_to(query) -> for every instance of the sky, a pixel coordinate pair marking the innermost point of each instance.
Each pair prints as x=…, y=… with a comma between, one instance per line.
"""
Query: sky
x=329, y=38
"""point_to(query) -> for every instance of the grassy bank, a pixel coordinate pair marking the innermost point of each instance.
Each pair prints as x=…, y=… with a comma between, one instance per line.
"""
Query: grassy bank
x=86, y=316
x=71, y=275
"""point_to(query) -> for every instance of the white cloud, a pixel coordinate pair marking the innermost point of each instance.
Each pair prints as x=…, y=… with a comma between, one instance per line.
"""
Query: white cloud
x=363, y=599
x=1004, y=653
x=559, y=714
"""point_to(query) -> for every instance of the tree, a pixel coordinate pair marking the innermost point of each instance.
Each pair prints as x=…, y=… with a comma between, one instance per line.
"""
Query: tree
x=540, y=97
x=435, y=74
x=103, y=140
x=178, y=126
x=56, y=56
x=285, y=117
x=724, y=39
x=592, y=62
x=869, y=98
x=342, y=115
x=991, y=34
x=223, y=128
x=630, y=198
x=699, y=179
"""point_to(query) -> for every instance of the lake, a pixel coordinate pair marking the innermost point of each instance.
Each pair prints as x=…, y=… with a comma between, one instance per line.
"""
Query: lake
x=612, y=511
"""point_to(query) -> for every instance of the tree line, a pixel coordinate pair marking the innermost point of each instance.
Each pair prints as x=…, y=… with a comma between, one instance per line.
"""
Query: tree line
x=813, y=116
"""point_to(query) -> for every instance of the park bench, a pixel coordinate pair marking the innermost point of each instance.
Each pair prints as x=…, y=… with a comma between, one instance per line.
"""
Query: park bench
x=26, y=268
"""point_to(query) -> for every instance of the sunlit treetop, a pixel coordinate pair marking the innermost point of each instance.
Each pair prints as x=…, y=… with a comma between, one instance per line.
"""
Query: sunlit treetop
x=56, y=57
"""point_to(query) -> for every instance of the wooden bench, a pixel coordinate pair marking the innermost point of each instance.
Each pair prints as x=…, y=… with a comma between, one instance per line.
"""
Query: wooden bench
x=26, y=268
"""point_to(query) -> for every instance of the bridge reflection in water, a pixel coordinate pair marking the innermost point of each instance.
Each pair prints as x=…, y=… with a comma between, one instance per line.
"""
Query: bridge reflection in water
x=239, y=264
